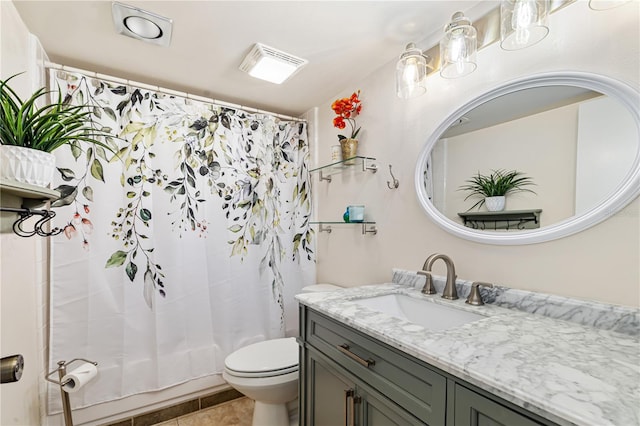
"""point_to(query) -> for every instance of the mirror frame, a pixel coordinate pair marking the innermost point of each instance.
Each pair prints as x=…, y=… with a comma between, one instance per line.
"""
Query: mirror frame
x=623, y=194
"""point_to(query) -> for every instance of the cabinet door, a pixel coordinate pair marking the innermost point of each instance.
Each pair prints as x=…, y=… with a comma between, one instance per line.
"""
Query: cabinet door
x=376, y=410
x=472, y=409
x=327, y=392
x=333, y=399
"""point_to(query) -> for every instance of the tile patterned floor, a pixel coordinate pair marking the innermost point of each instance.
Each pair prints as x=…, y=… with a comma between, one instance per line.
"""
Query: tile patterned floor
x=238, y=412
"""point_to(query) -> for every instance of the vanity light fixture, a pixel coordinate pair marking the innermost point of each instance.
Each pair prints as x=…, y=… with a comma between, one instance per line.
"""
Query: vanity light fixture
x=141, y=24
x=458, y=47
x=523, y=23
x=270, y=64
x=411, y=72
x=516, y=23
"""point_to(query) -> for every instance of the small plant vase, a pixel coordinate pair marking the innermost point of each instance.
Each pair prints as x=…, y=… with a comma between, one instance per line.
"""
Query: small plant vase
x=26, y=165
x=495, y=204
x=349, y=149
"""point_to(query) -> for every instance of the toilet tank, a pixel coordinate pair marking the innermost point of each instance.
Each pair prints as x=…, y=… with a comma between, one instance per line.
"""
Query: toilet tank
x=322, y=287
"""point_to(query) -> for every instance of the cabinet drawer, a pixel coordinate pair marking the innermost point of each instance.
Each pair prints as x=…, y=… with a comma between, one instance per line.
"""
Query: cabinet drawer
x=413, y=386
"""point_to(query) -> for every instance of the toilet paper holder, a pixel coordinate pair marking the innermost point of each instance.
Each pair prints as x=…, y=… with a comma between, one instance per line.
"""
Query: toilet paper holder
x=62, y=371
x=11, y=368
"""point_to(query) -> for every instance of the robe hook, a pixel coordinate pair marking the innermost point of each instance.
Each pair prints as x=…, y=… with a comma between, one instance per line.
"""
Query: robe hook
x=395, y=183
x=25, y=214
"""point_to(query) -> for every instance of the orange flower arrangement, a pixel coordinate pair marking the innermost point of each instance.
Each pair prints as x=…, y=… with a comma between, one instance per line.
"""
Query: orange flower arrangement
x=347, y=109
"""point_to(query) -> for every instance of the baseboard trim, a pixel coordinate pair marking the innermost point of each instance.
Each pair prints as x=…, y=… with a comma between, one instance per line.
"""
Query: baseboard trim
x=176, y=410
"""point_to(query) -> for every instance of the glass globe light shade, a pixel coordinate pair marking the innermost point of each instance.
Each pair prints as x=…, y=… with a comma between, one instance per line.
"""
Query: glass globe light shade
x=523, y=23
x=411, y=73
x=458, y=47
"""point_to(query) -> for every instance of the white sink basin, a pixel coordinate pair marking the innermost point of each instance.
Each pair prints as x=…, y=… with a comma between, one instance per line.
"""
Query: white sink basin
x=422, y=312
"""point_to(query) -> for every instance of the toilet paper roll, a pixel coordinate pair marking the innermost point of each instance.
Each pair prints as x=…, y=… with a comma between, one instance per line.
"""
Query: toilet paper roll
x=78, y=377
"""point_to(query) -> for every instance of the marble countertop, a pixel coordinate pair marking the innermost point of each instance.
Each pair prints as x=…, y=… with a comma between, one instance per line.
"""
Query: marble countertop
x=566, y=372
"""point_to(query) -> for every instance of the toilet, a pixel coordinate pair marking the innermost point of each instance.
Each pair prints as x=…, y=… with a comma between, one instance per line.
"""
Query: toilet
x=267, y=372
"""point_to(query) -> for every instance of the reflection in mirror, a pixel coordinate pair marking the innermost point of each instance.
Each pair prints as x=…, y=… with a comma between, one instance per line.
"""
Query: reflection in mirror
x=577, y=139
x=576, y=144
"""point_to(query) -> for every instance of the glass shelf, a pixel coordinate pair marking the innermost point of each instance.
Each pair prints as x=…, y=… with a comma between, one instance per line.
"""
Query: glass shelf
x=504, y=220
x=368, y=227
x=364, y=163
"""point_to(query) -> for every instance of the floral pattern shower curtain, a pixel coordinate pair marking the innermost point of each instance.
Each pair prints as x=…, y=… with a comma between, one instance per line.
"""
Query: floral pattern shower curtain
x=182, y=242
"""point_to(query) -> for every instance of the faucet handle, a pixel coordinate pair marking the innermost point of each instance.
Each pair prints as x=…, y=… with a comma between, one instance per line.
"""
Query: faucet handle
x=428, y=288
x=474, y=296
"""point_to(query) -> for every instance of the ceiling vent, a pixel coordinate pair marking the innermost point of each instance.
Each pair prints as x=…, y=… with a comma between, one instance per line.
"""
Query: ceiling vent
x=271, y=64
x=141, y=24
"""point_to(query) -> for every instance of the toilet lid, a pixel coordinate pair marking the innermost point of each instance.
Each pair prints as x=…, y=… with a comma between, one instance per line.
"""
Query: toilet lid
x=268, y=358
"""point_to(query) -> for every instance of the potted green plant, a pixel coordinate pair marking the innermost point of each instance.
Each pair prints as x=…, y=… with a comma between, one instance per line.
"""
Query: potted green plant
x=29, y=133
x=493, y=188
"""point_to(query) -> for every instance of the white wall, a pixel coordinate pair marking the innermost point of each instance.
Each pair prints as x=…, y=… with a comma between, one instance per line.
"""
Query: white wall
x=22, y=260
x=600, y=170
x=601, y=263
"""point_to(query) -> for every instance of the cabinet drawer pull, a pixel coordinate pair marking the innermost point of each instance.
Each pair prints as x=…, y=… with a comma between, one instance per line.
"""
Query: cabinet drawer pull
x=344, y=348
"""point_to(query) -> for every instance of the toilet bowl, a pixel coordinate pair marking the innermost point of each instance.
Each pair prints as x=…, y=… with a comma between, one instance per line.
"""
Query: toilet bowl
x=267, y=372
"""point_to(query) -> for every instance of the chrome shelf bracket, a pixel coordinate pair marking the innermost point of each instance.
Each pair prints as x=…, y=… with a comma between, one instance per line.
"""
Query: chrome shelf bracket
x=373, y=167
x=324, y=228
x=327, y=178
x=369, y=229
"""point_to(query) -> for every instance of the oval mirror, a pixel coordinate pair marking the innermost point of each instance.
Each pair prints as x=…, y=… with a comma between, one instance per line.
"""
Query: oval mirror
x=575, y=135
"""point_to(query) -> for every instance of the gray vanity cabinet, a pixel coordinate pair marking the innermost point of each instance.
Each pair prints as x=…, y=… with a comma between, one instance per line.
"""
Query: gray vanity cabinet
x=349, y=378
x=474, y=409
x=388, y=382
x=334, y=397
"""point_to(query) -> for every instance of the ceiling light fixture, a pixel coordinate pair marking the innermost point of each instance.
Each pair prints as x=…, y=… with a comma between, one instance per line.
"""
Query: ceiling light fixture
x=458, y=47
x=141, y=24
x=523, y=23
x=271, y=64
x=411, y=72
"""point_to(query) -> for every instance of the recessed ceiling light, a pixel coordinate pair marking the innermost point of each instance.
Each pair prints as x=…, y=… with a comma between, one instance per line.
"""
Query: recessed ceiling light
x=271, y=64
x=142, y=27
x=141, y=24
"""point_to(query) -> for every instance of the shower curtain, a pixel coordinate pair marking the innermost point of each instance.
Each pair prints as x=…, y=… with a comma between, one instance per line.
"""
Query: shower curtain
x=183, y=241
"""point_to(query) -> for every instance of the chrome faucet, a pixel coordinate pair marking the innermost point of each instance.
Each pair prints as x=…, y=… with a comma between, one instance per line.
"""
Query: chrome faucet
x=449, y=291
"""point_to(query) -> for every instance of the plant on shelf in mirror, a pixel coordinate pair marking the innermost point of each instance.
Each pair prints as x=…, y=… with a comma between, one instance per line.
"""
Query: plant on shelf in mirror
x=347, y=109
x=29, y=133
x=493, y=188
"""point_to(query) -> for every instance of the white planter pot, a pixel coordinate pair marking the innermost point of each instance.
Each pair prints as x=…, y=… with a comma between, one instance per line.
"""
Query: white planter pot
x=495, y=204
x=26, y=165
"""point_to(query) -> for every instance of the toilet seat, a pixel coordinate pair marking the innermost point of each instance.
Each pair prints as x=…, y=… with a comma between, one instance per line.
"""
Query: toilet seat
x=264, y=359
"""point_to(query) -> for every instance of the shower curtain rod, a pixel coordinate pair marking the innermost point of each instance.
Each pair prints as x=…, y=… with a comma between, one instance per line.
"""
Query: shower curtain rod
x=112, y=79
